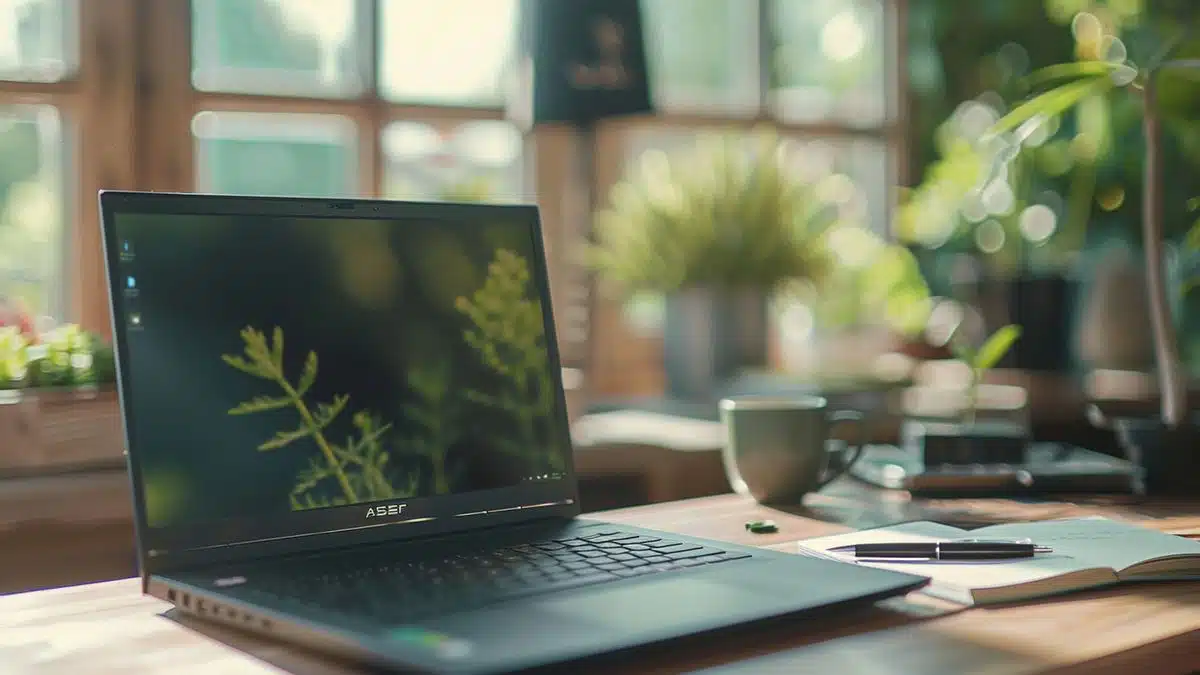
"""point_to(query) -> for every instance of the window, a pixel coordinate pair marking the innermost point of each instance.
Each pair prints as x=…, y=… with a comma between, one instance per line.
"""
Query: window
x=816, y=70
x=381, y=98
x=38, y=40
x=470, y=161
x=293, y=99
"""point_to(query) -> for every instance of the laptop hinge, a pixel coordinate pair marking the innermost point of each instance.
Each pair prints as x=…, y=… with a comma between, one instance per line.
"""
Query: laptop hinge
x=545, y=522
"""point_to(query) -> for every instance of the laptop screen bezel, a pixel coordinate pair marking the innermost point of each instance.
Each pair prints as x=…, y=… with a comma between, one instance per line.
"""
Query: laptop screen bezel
x=162, y=549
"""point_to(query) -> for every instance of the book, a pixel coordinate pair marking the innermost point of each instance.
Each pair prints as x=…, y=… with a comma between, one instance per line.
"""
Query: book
x=1086, y=553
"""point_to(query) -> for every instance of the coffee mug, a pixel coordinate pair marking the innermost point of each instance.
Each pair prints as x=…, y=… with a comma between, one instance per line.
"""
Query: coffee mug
x=778, y=448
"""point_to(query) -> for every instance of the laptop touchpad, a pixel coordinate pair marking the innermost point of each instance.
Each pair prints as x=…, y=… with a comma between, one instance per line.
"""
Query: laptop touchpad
x=640, y=608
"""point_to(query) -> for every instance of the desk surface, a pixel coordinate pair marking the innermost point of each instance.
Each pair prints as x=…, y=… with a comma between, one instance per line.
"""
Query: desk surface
x=110, y=628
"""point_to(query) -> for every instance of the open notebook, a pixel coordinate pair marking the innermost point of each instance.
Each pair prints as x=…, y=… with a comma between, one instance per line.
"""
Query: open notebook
x=1087, y=553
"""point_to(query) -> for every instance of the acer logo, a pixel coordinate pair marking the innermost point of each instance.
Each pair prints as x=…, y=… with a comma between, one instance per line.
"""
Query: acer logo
x=386, y=510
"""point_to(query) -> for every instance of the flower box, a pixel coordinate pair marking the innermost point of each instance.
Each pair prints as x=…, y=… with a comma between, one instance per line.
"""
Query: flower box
x=59, y=429
x=58, y=406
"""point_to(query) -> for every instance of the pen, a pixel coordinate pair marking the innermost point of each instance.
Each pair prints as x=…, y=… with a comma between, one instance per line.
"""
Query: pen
x=945, y=550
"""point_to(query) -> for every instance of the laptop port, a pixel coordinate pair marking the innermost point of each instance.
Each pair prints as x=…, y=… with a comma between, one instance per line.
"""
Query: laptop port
x=187, y=601
x=266, y=624
x=171, y=596
x=200, y=607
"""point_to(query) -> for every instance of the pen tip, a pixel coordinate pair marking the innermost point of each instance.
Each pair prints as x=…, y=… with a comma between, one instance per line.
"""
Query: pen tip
x=1042, y=549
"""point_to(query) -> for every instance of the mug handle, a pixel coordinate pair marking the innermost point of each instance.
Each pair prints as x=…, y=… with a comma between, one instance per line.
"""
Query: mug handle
x=855, y=449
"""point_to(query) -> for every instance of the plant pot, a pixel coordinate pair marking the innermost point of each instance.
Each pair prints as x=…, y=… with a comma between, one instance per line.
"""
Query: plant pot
x=1043, y=306
x=709, y=335
x=1166, y=460
x=967, y=443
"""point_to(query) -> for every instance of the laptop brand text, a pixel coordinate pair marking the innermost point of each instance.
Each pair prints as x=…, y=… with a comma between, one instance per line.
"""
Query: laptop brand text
x=386, y=510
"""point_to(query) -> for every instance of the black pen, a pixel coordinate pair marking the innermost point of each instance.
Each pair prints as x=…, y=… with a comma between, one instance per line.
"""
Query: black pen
x=945, y=550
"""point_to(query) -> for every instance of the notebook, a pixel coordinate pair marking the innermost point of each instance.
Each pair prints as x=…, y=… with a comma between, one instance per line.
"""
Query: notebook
x=1087, y=553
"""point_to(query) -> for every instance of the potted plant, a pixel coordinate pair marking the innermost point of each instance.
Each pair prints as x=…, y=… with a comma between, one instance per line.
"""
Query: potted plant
x=1162, y=446
x=57, y=403
x=1011, y=242
x=716, y=232
x=970, y=440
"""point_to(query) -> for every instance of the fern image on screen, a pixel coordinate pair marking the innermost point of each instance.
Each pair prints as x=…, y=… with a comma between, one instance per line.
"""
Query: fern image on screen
x=358, y=465
x=507, y=334
x=288, y=364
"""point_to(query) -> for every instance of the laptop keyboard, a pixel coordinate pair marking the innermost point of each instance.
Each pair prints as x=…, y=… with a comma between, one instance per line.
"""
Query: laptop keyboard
x=405, y=590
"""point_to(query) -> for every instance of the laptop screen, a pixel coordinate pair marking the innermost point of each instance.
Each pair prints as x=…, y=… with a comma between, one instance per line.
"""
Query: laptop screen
x=285, y=374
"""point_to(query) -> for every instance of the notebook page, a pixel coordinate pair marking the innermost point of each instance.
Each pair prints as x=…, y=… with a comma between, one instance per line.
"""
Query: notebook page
x=955, y=574
x=904, y=532
x=1099, y=541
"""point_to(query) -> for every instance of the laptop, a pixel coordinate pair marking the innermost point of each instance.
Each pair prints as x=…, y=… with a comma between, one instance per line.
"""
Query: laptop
x=346, y=430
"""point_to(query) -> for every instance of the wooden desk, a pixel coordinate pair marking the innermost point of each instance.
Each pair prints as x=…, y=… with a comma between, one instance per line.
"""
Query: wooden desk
x=110, y=628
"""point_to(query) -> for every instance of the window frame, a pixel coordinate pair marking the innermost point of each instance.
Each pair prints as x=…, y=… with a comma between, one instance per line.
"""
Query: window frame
x=133, y=81
x=95, y=101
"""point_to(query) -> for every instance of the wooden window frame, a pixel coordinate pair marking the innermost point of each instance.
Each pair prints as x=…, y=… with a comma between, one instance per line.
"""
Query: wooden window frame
x=135, y=102
x=96, y=103
x=131, y=102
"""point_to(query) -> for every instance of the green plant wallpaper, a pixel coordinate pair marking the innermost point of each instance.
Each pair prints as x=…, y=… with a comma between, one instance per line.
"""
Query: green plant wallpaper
x=282, y=365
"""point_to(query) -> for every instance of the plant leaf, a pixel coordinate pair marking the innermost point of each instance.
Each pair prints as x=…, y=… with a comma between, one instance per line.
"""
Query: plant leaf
x=327, y=411
x=1051, y=103
x=246, y=366
x=995, y=347
x=1073, y=69
x=309, y=376
x=283, y=438
x=277, y=349
x=260, y=404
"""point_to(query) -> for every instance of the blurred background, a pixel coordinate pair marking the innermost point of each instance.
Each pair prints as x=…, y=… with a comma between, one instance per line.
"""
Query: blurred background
x=878, y=104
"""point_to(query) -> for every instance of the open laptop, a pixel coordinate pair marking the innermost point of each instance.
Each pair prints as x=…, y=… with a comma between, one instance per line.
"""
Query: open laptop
x=346, y=429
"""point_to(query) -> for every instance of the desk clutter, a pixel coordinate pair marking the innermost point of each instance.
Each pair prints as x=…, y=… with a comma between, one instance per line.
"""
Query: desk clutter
x=1071, y=555
x=1046, y=468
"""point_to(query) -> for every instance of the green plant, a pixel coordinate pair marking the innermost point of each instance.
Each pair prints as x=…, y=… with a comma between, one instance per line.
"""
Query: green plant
x=358, y=467
x=874, y=282
x=727, y=214
x=436, y=415
x=61, y=358
x=982, y=360
x=66, y=356
x=14, y=357
x=508, y=334
x=470, y=190
x=1075, y=82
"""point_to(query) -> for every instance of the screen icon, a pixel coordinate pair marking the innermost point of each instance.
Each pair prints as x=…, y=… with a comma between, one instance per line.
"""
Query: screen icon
x=135, y=319
x=130, y=282
x=126, y=250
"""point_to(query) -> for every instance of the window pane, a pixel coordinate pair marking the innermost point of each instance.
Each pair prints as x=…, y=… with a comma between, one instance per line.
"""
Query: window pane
x=31, y=205
x=703, y=53
x=288, y=47
x=476, y=161
x=828, y=61
x=276, y=154
x=38, y=40
x=450, y=52
x=852, y=173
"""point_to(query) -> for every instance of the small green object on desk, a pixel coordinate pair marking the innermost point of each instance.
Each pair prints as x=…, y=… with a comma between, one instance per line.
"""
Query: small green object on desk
x=762, y=526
